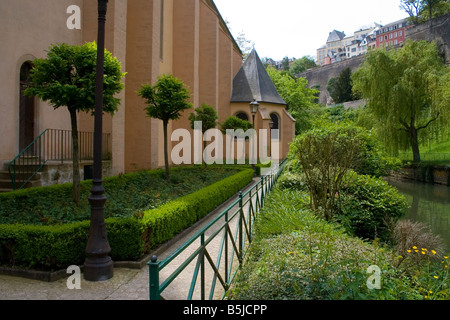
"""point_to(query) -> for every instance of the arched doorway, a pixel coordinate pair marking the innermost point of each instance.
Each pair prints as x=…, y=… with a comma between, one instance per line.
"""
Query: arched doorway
x=276, y=125
x=242, y=116
x=26, y=110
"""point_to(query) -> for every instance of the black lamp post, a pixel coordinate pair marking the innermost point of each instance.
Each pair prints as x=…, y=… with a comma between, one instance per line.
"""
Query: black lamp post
x=271, y=124
x=254, y=105
x=98, y=266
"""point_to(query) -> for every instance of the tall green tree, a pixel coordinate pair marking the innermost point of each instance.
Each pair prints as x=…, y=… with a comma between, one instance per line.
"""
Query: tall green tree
x=285, y=64
x=165, y=101
x=341, y=87
x=207, y=115
x=405, y=89
x=298, y=97
x=423, y=10
x=66, y=78
x=302, y=64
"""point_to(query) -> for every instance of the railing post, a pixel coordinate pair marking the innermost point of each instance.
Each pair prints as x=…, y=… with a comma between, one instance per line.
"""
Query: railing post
x=62, y=146
x=241, y=242
x=262, y=191
x=202, y=267
x=226, y=247
x=154, y=278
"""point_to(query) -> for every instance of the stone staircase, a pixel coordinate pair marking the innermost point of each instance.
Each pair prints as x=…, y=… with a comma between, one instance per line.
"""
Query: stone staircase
x=6, y=184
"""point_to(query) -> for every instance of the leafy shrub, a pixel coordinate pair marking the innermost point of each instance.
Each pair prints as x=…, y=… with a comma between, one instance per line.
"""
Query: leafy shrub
x=299, y=256
x=368, y=206
x=291, y=180
x=326, y=153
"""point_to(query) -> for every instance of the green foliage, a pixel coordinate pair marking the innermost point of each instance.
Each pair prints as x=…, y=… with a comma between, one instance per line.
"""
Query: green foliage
x=369, y=206
x=125, y=194
x=166, y=221
x=326, y=153
x=339, y=113
x=407, y=92
x=298, y=97
x=166, y=99
x=301, y=65
x=422, y=10
x=207, y=115
x=341, y=87
x=45, y=247
x=67, y=78
x=234, y=123
x=298, y=256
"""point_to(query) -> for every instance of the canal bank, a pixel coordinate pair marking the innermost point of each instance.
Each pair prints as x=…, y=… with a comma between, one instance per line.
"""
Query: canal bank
x=429, y=173
x=428, y=203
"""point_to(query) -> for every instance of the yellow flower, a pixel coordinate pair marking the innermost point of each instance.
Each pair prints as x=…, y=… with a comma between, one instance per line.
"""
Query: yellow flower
x=430, y=291
x=436, y=277
x=423, y=252
x=414, y=247
x=424, y=249
x=432, y=251
x=445, y=257
x=409, y=250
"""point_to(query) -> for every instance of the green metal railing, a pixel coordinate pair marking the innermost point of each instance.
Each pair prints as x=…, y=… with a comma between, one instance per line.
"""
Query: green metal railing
x=225, y=239
x=51, y=145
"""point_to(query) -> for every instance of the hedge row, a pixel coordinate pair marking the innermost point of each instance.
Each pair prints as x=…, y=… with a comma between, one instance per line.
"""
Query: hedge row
x=56, y=247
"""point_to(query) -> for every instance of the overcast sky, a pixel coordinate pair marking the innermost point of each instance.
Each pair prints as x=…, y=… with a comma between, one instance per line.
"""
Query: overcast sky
x=297, y=28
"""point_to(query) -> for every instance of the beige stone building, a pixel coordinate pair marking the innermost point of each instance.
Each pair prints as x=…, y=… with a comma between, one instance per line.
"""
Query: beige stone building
x=186, y=38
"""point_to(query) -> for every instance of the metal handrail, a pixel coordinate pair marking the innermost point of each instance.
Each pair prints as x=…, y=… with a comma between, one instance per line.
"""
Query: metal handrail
x=21, y=158
x=51, y=145
x=238, y=242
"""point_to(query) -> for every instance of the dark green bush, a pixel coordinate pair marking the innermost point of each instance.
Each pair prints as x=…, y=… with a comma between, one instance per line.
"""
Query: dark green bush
x=368, y=206
x=57, y=246
x=166, y=221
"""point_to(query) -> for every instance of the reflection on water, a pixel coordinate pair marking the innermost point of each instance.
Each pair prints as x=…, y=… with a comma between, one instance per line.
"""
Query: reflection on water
x=430, y=203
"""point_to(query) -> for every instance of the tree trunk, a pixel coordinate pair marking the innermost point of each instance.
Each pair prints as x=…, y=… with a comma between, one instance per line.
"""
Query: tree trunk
x=75, y=157
x=414, y=143
x=204, y=160
x=166, y=157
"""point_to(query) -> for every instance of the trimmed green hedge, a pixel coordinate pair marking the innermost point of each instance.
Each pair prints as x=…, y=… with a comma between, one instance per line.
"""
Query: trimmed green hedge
x=56, y=247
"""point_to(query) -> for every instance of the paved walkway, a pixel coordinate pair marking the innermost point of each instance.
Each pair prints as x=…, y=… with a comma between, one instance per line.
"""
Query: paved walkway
x=126, y=284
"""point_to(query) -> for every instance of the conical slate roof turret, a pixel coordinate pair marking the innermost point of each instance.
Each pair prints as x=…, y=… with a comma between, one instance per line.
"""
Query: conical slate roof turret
x=253, y=82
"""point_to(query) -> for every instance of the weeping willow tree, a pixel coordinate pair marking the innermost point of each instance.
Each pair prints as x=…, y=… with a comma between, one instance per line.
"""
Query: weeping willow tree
x=407, y=93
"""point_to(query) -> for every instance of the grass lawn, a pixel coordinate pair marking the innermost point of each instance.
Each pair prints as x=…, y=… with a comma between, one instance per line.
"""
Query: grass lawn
x=435, y=154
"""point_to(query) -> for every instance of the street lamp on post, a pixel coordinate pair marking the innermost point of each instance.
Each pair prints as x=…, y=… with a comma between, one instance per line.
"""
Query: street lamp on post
x=271, y=124
x=98, y=266
x=254, y=105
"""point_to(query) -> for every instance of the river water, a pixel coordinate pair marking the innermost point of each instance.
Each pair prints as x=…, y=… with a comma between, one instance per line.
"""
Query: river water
x=429, y=203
